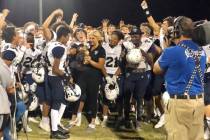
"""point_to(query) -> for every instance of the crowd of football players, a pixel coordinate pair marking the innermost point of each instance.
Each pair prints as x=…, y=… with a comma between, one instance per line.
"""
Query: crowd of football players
x=58, y=67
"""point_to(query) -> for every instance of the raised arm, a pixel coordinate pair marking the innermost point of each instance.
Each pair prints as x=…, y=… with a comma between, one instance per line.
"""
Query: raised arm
x=150, y=19
x=105, y=23
x=48, y=21
x=5, y=13
x=73, y=20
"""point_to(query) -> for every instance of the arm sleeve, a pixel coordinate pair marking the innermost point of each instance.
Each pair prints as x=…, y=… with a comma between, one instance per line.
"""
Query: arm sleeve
x=58, y=52
x=165, y=59
x=102, y=53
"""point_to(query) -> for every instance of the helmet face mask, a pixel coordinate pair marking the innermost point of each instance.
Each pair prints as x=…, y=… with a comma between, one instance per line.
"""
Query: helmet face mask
x=34, y=104
x=183, y=26
x=72, y=92
x=38, y=73
x=111, y=91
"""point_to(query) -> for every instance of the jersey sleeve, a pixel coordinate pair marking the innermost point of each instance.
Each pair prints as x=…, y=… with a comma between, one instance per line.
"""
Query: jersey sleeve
x=102, y=53
x=165, y=59
x=58, y=52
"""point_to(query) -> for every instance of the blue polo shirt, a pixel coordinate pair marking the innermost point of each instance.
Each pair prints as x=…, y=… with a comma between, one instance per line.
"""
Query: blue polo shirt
x=178, y=67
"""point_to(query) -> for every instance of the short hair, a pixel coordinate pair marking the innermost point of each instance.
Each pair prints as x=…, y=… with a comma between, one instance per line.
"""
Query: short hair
x=125, y=26
x=57, y=24
x=170, y=20
x=97, y=34
x=149, y=28
x=63, y=31
x=79, y=30
x=30, y=24
x=183, y=26
x=8, y=34
x=119, y=34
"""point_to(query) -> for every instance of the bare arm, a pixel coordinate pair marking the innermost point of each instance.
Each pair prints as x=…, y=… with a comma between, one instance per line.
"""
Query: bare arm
x=48, y=21
x=5, y=13
x=73, y=20
x=55, y=68
x=118, y=72
x=150, y=19
x=153, y=24
x=104, y=72
x=11, y=88
x=105, y=23
x=157, y=69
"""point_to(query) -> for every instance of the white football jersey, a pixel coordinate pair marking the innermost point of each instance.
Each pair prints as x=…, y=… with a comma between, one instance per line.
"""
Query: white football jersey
x=19, y=51
x=141, y=65
x=112, y=57
x=146, y=43
x=50, y=57
x=207, y=51
x=5, y=46
x=29, y=57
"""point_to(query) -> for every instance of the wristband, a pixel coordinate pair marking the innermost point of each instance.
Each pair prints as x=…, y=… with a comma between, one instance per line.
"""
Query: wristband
x=147, y=12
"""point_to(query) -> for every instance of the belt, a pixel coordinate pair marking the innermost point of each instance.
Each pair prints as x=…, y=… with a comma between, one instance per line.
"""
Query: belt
x=138, y=70
x=186, y=96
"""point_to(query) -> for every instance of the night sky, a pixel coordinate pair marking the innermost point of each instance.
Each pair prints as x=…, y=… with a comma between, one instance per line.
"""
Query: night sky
x=93, y=11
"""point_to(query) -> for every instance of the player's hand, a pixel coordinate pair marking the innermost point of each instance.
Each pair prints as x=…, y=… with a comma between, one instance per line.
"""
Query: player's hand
x=105, y=22
x=5, y=12
x=144, y=5
x=87, y=59
x=121, y=23
x=58, y=12
x=74, y=17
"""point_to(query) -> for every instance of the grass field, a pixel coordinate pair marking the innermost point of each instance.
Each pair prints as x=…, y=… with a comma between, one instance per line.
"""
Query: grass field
x=80, y=133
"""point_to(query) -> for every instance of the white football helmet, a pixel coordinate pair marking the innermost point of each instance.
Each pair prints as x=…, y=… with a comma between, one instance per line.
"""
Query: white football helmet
x=134, y=56
x=38, y=74
x=22, y=93
x=128, y=45
x=111, y=91
x=72, y=93
x=33, y=87
x=26, y=87
x=34, y=104
x=39, y=41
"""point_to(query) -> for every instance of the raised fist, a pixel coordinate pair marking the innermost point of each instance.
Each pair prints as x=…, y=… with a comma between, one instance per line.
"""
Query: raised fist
x=144, y=5
x=5, y=12
x=74, y=17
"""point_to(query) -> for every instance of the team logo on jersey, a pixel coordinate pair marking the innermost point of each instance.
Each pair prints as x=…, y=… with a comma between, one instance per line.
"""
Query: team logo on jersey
x=96, y=52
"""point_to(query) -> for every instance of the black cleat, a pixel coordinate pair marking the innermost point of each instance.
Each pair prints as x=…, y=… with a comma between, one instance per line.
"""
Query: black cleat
x=62, y=130
x=58, y=135
x=129, y=125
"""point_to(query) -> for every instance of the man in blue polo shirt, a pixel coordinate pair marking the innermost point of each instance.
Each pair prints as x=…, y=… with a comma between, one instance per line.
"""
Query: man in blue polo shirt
x=183, y=66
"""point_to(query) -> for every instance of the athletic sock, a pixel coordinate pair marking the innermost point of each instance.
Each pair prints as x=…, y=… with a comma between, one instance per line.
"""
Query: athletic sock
x=61, y=111
x=54, y=119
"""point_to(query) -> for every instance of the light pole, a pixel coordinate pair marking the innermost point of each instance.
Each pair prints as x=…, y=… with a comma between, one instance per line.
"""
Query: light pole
x=40, y=12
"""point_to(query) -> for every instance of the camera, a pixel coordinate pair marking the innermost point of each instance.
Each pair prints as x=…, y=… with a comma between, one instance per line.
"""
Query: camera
x=201, y=32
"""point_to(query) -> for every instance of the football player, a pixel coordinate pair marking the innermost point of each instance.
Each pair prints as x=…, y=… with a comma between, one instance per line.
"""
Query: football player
x=57, y=54
x=112, y=71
